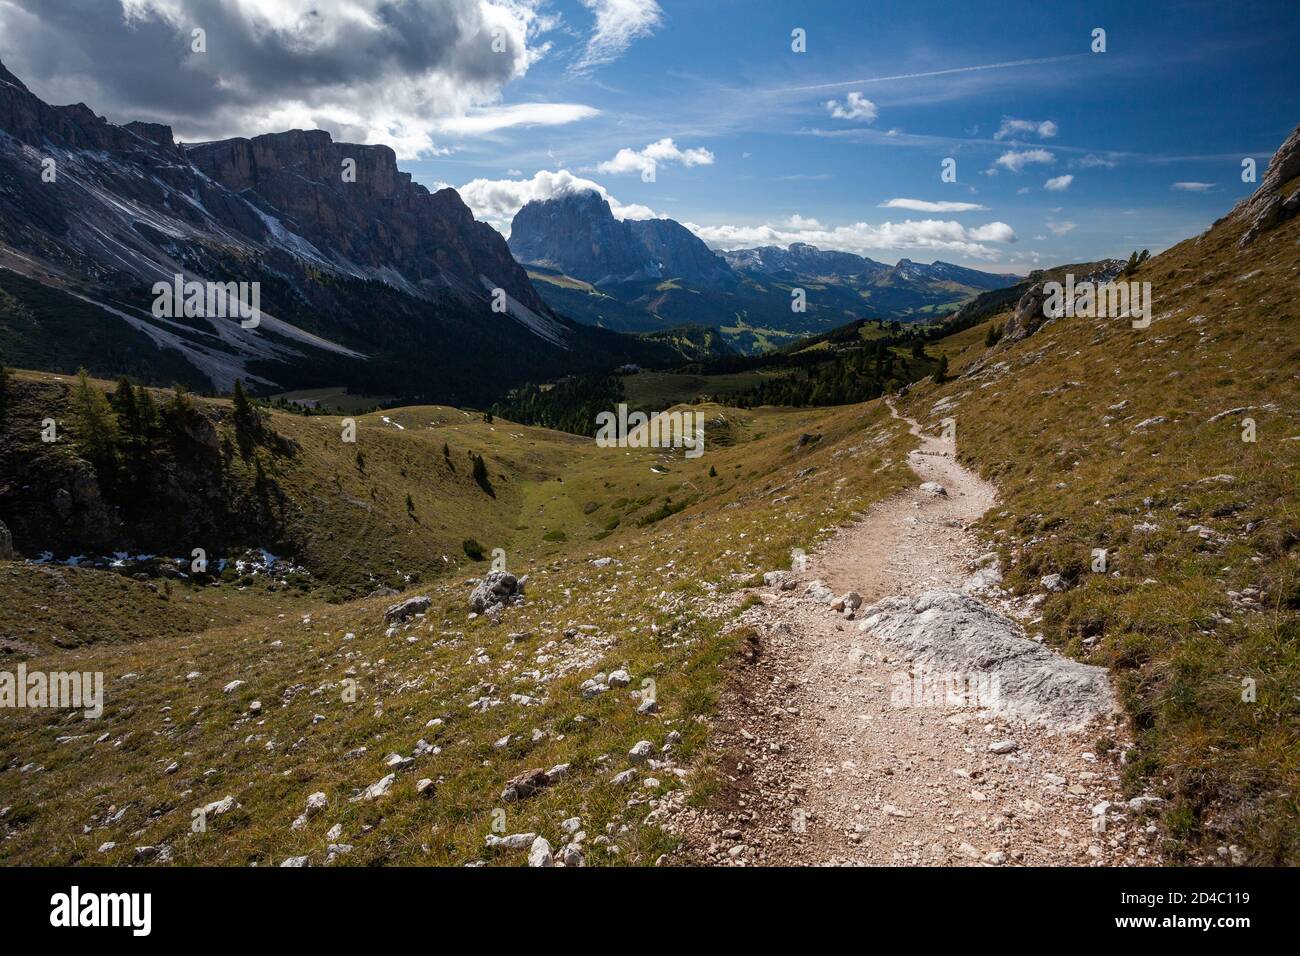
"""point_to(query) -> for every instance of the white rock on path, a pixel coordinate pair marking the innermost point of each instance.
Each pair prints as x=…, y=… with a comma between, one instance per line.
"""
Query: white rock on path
x=951, y=631
x=934, y=488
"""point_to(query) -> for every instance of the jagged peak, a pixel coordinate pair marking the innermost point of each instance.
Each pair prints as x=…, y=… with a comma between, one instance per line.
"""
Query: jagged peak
x=8, y=77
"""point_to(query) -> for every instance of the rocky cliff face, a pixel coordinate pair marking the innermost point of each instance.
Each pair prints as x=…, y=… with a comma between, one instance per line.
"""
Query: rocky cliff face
x=354, y=206
x=679, y=253
x=578, y=234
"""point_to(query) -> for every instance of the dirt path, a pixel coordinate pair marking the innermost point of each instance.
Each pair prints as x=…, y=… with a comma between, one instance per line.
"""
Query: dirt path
x=827, y=767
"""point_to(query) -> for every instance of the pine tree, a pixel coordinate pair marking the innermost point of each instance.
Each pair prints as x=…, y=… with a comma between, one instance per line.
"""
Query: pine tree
x=248, y=421
x=96, y=425
x=4, y=392
x=941, y=374
x=137, y=418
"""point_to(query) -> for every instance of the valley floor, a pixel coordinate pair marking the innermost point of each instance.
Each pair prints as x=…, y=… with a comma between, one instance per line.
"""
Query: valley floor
x=827, y=769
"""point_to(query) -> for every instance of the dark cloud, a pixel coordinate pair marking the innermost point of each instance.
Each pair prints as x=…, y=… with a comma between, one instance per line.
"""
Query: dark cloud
x=354, y=65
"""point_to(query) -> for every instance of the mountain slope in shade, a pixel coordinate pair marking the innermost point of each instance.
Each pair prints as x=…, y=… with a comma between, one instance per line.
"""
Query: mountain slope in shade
x=367, y=279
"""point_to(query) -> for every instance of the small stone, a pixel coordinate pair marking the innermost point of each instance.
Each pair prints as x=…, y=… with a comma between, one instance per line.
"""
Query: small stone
x=539, y=854
x=641, y=751
x=377, y=790
x=515, y=841
x=571, y=855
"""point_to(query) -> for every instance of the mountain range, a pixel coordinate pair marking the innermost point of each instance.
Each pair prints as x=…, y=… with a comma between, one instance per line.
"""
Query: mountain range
x=638, y=275
x=367, y=280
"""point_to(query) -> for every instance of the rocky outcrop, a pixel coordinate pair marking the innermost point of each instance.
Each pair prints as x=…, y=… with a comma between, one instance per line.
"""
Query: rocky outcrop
x=1267, y=207
x=6, y=543
x=405, y=610
x=495, y=591
x=1028, y=317
x=951, y=632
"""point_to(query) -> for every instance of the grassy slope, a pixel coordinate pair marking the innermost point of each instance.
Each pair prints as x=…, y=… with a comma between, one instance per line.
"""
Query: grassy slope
x=646, y=612
x=1053, y=420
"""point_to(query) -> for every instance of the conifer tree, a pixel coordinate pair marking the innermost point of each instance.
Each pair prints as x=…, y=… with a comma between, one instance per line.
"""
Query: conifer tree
x=96, y=425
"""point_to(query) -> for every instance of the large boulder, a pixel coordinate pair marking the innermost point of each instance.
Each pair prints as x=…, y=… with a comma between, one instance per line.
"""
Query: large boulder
x=950, y=632
x=404, y=610
x=495, y=591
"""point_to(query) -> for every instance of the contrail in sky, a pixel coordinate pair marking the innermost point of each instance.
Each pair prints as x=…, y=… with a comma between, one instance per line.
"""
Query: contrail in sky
x=914, y=76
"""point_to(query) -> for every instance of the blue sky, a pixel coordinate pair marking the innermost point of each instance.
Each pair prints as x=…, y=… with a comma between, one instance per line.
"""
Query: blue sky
x=1182, y=94
x=1062, y=154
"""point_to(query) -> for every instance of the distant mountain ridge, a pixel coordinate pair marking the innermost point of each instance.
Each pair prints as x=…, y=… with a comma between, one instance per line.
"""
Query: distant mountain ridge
x=641, y=275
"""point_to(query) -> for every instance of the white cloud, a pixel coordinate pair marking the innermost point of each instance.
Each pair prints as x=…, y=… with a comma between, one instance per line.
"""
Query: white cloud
x=646, y=161
x=496, y=201
x=1193, y=187
x=492, y=118
x=1043, y=129
x=1017, y=160
x=855, y=107
x=618, y=23
x=800, y=222
x=1061, y=228
x=1058, y=183
x=922, y=205
x=1091, y=161
x=865, y=238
